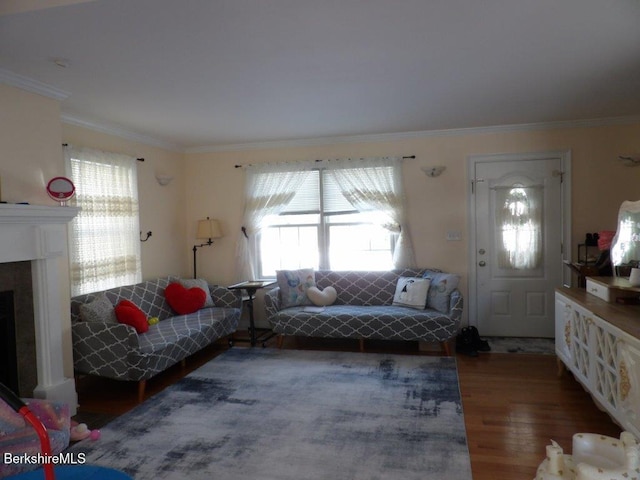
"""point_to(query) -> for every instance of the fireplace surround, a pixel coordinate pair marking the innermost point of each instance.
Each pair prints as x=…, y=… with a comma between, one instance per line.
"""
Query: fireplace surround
x=38, y=234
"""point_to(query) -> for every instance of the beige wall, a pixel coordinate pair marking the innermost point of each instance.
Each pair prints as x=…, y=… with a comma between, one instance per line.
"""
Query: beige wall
x=435, y=205
x=31, y=152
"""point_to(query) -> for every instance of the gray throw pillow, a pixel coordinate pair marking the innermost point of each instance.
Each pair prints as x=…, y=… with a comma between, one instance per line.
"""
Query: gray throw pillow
x=442, y=284
x=200, y=283
x=99, y=310
x=293, y=286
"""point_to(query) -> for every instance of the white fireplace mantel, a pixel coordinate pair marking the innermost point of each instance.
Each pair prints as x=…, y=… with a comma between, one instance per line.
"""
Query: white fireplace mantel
x=38, y=234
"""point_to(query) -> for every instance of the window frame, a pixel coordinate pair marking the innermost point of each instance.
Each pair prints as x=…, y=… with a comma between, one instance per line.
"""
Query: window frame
x=323, y=229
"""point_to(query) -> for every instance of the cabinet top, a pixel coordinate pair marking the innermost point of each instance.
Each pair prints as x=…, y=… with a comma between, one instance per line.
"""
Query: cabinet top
x=618, y=283
x=624, y=317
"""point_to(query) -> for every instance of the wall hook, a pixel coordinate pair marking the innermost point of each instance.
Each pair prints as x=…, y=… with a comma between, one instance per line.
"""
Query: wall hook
x=145, y=238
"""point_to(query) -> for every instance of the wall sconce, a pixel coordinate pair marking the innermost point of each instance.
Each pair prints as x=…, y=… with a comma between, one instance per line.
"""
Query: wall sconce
x=163, y=179
x=207, y=229
x=434, y=171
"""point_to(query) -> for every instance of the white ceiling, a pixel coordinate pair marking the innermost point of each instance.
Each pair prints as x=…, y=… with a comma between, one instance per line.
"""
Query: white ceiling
x=196, y=73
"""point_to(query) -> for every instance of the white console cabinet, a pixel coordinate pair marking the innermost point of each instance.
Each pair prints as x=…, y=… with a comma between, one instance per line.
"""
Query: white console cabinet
x=599, y=342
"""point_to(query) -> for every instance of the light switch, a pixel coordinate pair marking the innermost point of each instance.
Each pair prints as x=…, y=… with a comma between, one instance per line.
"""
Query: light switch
x=454, y=236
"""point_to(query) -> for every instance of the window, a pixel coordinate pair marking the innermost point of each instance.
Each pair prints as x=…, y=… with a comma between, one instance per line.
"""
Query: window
x=339, y=215
x=519, y=219
x=320, y=228
x=104, y=237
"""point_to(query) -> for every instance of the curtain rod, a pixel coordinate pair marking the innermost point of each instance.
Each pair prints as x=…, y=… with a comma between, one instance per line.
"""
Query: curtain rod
x=317, y=160
x=138, y=159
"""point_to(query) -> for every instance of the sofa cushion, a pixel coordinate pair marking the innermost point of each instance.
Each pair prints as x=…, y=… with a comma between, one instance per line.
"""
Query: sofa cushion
x=128, y=313
x=181, y=328
x=384, y=322
x=293, y=286
x=442, y=284
x=184, y=300
x=411, y=292
x=147, y=295
x=99, y=310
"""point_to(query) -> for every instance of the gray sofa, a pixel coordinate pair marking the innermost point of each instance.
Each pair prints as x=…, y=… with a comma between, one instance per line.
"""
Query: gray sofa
x=363, y=309
x=104, y=347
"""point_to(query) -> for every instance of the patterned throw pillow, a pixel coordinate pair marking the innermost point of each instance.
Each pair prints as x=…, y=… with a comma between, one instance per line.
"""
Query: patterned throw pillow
x=411, y=292
x=293, y=286
x=99, y=310
x=200, y=283
x=442, y=284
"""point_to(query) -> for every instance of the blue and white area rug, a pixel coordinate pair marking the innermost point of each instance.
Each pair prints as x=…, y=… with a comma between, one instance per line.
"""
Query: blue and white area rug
x=293, y=415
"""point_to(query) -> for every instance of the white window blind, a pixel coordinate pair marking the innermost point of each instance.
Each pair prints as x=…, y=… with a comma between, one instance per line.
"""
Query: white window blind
x=104, y=239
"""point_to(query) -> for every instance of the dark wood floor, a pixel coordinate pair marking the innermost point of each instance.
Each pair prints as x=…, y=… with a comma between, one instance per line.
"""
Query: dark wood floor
x=513, y=403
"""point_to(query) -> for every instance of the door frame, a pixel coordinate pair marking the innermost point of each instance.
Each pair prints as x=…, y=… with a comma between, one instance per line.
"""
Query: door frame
x=565, y=170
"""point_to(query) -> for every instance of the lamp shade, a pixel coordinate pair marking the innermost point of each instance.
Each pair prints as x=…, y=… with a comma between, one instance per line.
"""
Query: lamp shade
x=209, y=229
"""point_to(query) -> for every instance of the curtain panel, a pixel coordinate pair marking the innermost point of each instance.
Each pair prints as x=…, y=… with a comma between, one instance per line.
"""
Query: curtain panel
x=369, y=184
x=104, y=238
x=375, y=185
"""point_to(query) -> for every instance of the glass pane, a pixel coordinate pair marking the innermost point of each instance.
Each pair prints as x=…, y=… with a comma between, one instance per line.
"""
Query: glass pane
x=288, y=248
x=519, y=227
x=359, y=247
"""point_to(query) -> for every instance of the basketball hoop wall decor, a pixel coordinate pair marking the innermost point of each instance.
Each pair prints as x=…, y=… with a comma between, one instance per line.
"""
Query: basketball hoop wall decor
x=61, y=189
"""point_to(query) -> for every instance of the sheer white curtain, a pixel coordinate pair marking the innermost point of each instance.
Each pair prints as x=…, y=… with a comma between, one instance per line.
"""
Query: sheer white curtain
x=519, y=221
x=268, y=190
x=375, y=185
x=104, y=240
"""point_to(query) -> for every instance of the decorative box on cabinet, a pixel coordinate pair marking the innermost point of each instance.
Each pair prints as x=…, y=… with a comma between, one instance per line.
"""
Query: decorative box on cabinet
x=599, y=343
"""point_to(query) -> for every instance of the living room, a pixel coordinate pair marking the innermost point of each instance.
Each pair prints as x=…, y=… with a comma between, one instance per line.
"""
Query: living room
x=35, y=121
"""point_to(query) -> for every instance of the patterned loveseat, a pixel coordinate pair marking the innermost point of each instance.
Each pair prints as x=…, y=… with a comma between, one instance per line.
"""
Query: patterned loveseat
x=115, y=350
x=364, y=309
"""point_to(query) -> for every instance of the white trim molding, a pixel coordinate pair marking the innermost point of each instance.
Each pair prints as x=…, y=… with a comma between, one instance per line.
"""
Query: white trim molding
x=31, y=85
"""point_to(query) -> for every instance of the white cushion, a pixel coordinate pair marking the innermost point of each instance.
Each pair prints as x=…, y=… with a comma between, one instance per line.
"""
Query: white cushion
x=322, y=298
x=412, y=292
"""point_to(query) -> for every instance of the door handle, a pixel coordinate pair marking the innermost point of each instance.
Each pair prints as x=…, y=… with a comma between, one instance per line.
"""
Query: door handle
x=482, y=263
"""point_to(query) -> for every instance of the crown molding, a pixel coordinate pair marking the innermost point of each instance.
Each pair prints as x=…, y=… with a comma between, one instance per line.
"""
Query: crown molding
x=387, y=137
x=31, y=85
x=121, y=132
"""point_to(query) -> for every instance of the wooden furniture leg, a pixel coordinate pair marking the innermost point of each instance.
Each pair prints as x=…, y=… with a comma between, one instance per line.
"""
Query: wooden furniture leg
x=141, y=386
x=446, y=348
x=280, y=341
x=362, y=344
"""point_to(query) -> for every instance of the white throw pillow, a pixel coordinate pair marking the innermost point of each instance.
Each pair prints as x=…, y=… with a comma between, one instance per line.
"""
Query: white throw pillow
x=322, y=298
x=412, y=292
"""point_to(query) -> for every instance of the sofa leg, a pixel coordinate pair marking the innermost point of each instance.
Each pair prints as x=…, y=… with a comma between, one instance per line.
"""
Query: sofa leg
x=141, y=387
x=446, y=348
x=361, y=341
x=183, y=362
x=280, y=341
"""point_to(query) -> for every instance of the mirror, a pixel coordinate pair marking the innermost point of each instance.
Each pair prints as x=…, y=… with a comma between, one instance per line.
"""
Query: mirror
x=625, y=247
x=61, y=189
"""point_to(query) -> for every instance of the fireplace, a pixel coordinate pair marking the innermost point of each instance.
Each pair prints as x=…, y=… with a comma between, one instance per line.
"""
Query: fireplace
x=33, y=268
x=17, y=329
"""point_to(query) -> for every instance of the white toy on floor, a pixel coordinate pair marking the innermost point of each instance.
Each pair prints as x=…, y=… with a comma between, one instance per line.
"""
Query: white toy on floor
x=595, y=457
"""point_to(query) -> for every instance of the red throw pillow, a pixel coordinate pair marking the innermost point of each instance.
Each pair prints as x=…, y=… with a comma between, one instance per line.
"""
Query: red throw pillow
x=184, y=300
x=128, y=313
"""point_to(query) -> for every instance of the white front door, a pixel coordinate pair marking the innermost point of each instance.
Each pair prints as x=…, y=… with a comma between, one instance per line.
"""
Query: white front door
x=516, y=243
